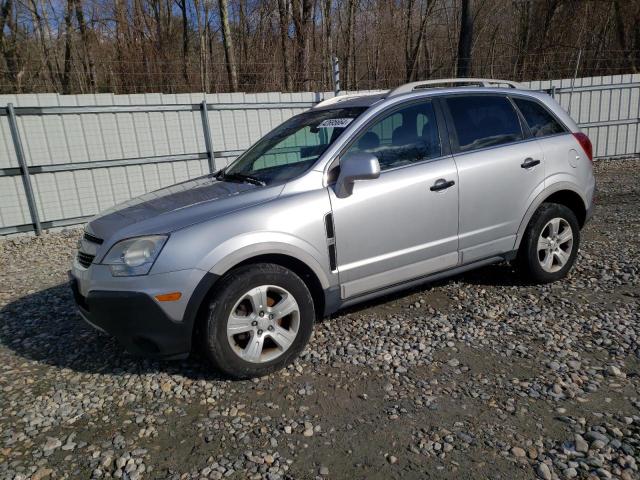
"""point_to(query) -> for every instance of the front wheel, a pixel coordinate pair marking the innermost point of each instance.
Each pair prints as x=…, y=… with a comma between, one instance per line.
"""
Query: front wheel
x=550, y=243
x=259, y=321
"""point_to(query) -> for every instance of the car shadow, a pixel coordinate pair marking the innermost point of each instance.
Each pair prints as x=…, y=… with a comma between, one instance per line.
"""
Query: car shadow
x=45, y=327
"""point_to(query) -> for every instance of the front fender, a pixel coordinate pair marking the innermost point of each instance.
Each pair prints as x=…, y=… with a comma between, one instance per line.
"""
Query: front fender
x=244, y=247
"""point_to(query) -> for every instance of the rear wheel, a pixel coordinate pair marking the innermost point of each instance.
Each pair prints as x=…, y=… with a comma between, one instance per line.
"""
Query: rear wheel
x=550, y=243
x=259, y=321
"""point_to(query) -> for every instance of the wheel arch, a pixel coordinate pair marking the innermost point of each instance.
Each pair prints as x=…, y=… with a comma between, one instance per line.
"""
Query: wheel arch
x=297, y=266
x=211, y=280
x=562, y=193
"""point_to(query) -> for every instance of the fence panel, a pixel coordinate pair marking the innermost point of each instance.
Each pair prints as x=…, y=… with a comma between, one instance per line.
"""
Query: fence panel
x=606, y=109
x=86, y=153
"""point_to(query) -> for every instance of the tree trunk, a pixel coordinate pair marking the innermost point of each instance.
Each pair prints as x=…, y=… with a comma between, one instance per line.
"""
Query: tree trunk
x=463, y=68
x=185, y=41
x=84, y=33
x=413, y=47
x=302, y=22
x=227, y=41
x=8, y=46
x=348, y=70
x=47, y=58
x=66, y=76
x=328, y=48
x=283, y=15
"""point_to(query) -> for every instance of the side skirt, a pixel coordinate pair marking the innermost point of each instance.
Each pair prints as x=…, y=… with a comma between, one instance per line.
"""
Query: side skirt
x=334, y=303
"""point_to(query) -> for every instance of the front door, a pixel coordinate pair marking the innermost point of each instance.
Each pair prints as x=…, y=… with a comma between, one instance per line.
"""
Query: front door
x=404, y=224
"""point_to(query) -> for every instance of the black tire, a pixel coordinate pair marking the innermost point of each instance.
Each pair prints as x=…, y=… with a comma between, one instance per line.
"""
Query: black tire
x=528, y=258
x=232, y=287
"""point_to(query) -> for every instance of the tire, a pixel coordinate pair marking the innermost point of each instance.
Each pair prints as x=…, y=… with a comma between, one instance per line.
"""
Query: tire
x=236, y=354
x=556, y=257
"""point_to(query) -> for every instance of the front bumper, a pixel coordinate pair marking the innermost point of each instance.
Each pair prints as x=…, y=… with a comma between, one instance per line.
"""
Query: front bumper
x=136, y=320
x=140, y=323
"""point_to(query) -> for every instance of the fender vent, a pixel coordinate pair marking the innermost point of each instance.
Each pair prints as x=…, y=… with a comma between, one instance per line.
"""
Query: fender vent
x=332, y=256
x=328, y=225
x=331, y=241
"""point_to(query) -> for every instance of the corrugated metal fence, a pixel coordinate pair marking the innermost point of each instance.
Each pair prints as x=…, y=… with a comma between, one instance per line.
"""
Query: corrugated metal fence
x=80, y=154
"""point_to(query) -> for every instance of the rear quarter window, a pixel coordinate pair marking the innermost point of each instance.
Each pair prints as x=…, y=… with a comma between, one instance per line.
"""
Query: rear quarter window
x=540, y=121
x=482, y=121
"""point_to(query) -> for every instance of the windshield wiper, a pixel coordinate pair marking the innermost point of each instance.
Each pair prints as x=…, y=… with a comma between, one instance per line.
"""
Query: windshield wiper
x=243, y=177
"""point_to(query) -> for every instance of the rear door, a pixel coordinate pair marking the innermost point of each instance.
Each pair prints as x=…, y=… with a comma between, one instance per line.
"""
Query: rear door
x=556, y=141
x=500, y=170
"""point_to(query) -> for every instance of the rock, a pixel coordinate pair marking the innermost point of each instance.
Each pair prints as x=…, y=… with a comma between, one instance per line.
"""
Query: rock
x=593, y=436
x=42, y=473
x=614, y=371
x=543, y=471
x=581, y=444
x=324, y=471
x=392, y=459
x=518, y=452
x=51, y=444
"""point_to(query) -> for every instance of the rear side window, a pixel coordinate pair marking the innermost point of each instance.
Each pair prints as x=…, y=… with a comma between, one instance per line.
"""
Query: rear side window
x=540, y=121
x=484, y=121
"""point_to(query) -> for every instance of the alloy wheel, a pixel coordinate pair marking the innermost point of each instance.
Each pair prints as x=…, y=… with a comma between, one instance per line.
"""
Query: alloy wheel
x=555, y=245
x=263, y=324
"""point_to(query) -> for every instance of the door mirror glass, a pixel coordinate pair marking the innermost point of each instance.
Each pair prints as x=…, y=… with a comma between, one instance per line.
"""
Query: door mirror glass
x=356, y=166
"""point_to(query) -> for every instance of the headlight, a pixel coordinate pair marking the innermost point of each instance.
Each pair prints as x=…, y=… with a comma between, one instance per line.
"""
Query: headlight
x=134, y=256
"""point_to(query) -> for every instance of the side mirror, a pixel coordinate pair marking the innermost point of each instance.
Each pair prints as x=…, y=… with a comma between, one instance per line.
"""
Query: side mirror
x=356, y=166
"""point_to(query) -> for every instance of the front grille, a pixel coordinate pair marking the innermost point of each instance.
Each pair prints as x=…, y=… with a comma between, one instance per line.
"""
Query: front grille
x=90, y=238
x=85, y=259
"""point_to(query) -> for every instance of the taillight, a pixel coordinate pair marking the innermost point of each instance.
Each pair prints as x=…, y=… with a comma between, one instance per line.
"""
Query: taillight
x=585, y=143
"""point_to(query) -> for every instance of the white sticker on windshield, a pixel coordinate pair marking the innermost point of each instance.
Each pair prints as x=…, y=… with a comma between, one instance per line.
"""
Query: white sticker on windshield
x=335, y=123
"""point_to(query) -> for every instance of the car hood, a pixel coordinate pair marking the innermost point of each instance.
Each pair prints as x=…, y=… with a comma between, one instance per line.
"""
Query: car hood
x=178, y=206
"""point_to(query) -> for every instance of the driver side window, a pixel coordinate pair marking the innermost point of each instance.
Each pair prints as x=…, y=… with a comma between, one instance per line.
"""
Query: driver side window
x=405, y=136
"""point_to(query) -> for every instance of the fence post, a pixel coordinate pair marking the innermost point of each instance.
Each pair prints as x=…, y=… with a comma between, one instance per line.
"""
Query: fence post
x=573, y=80
x=204, y=112
x=336, y=76
x=24, y=170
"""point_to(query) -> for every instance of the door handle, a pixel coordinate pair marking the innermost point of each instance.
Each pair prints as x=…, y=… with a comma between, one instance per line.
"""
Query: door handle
x=529, y=163
x=442, y=184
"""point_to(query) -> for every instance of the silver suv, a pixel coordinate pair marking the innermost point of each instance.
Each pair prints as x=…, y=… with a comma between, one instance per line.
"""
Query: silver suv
x=360, y=196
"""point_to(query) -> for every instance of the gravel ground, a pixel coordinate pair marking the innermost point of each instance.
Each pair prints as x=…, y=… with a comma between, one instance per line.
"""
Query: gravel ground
x=481, y=376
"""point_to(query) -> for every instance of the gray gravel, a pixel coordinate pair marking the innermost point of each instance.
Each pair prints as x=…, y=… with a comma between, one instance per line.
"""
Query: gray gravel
x=480, y=376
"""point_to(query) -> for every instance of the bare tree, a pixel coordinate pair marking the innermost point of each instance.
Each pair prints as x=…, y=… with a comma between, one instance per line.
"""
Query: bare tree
x=465, y=40
x=302, y=22
x=8, y=45
x=182, y=4
x=128, y=46
x=413, y=45
x=283, y=17
x=227, y=41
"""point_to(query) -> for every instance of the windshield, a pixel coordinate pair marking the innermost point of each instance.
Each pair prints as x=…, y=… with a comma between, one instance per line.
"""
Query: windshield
x=292, y=148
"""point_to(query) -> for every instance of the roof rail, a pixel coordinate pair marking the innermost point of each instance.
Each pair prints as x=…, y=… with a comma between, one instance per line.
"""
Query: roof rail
x=340, y=98
x=481, y=82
